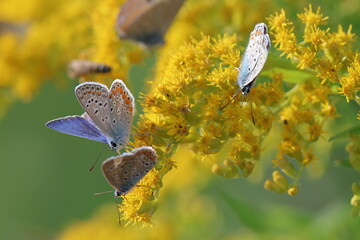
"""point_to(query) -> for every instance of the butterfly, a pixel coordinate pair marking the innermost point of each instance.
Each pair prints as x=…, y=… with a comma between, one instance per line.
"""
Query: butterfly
x=124, y=171
x=79, y=68
x=146, y=21
x=253, y=60
x=108, y=114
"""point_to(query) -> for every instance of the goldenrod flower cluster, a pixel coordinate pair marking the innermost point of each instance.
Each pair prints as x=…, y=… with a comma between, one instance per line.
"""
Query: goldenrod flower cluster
x=195, y=79
x=307, y=106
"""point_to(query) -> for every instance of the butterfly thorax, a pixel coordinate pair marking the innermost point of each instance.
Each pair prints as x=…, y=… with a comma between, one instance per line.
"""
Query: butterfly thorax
x=116, y=145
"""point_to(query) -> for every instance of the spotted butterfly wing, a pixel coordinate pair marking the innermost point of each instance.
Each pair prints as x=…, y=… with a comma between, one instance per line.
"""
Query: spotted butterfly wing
x=123, y=172
x=254, y=58
x=111, y=110
x=146, y=20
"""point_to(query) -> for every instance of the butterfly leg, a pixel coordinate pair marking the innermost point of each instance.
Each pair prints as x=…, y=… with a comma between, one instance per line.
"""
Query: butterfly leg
x=118, y=210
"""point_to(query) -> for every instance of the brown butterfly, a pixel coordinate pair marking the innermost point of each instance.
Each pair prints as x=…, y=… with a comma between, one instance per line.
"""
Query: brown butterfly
x=79, y=68
x=123, y=172
x=146, y=21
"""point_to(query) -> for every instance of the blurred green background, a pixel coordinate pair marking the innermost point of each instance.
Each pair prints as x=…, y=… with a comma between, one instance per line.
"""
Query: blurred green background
x=46, y=185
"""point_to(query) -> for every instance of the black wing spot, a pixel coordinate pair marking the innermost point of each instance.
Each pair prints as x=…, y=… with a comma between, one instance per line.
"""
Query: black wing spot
x=96, y=111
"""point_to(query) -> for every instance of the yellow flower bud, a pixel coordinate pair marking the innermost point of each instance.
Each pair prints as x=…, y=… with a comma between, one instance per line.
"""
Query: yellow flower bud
x=293, y=191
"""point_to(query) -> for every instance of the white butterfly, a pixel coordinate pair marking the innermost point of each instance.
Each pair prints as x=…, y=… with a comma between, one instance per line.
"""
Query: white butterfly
x=253, y=60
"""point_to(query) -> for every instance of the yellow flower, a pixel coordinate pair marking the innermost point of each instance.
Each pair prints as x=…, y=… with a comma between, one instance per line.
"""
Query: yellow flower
x=179, y=130
x=309, y=157
x=312, y=18
x=307, y=58
x=328, y=70
x=283, y=32
x=351, y=84
x=279, y=184
x=316, y=37
x=328, y=110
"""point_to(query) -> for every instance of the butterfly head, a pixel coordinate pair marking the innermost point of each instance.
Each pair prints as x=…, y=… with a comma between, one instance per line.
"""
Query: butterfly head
x=116, y=146
x=260, y=28
x=117, y=193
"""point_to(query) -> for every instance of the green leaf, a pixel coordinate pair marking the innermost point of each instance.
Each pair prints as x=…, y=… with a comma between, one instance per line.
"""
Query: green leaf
x=347, y=133
x=291, y=76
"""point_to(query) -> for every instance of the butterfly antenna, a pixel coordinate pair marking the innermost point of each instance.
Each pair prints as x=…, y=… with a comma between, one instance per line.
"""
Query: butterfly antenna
x=118, y=210
x=236, y=94
x=103, y=192
x=97, y=159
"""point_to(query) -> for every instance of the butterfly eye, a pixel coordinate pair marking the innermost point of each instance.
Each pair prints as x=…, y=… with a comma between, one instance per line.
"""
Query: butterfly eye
x=113, y=144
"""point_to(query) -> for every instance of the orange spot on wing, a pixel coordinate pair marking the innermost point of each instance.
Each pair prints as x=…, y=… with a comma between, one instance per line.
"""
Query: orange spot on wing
x=110, y=96
x=127, y=101
x=114, y=91
x=124, y=95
